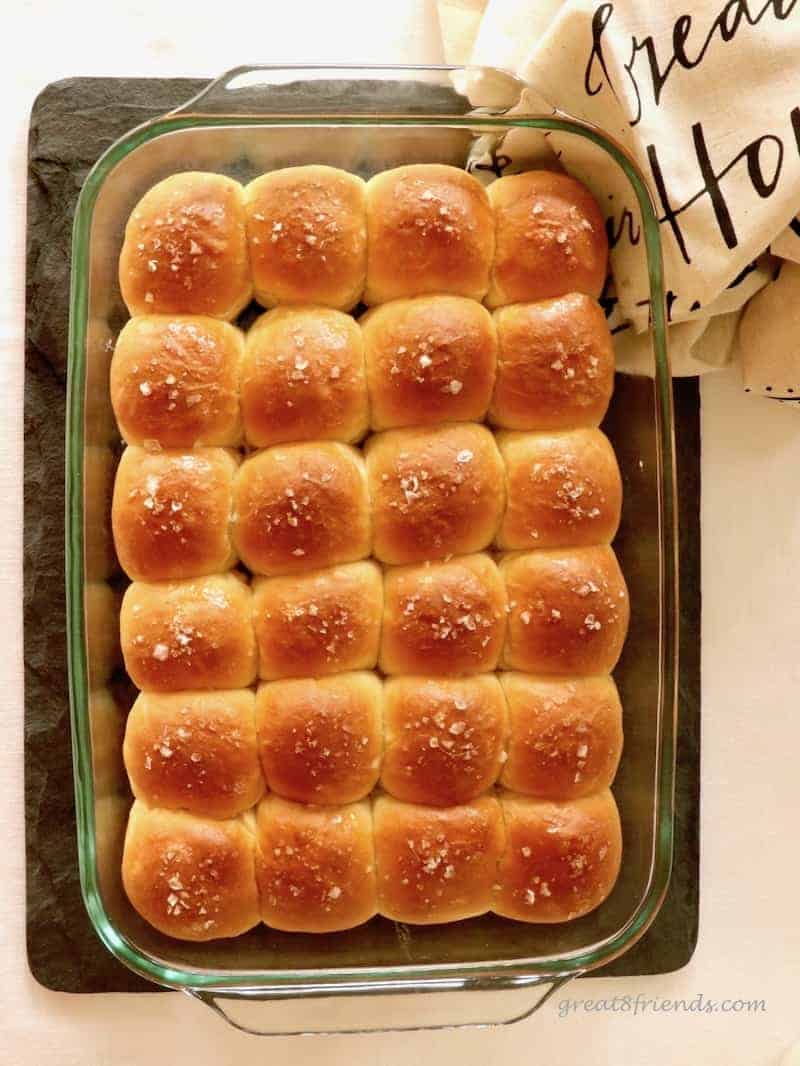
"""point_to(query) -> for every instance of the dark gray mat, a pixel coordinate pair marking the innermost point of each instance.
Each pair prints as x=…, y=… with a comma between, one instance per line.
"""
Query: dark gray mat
x=72, y=123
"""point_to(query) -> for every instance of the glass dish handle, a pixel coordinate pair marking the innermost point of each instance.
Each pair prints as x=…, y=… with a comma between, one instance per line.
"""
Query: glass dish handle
x=347, y=1012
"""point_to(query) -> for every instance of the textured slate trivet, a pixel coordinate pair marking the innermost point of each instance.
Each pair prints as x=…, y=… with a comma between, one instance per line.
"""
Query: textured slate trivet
x=72, y=123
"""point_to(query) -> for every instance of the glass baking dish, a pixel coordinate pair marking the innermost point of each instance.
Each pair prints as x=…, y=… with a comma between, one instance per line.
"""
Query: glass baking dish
x=486, y=970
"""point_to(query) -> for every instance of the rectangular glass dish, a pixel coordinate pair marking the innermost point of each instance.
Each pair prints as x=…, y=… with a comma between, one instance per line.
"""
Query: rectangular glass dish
x=247, y=122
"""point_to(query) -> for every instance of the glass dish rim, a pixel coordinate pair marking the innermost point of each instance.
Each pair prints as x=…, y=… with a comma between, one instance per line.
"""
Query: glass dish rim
x=458, y=976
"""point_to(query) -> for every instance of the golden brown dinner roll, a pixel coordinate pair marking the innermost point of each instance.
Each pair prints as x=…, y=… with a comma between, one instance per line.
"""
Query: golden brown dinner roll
x=171, y=513
x=175, y=381
x=325, y=622
x=315, y=865
x=561, y=859
x=107, y=727
x=443, y=738
x=563, y=489
x=436, y=864
x=435, y=492
x=101, y=607
x=195, y=634
x=429, y=229
x=302, y=507
x=429, y=359
x=320, y=740
x=99, y=424
x=550, y=238
x=192, y=878
x=568, y=611
x=444, y=618
x=565, y=735
x=555, y=365
x=100, y=560
x=303, y=377
x=185, y=250
x=306, y=229
x=194, y=750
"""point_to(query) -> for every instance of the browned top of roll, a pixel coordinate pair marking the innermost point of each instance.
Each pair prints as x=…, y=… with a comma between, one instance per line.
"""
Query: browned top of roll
x=430, y=359
x=171, y=512
x=550, y=238
x=302, y=507
x=185, y=250
x=303, y=377
x=430, y=229
x=435, y=492
x=195, y=634
x=315, y=865
x=175, y=380
x=192, y=878
x=555, y=367
x=306, y=229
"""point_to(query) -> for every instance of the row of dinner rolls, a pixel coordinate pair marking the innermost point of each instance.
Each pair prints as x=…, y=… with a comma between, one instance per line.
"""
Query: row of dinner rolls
x=312, y=373
x=415, y=495
x=201, y=243
x=548, y=612
x=437, y=741
x=320, y=869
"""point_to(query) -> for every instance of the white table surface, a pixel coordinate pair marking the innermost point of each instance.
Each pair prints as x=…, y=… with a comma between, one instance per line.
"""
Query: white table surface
x=749, y=945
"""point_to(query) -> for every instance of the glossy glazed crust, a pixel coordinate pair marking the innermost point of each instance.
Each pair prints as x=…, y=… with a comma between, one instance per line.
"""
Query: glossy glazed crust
x=320, y=740
x=564, y=736
x=555, y=365
x=315, y=865
x=301, y=507
x=195, y=634
x=436, y=864
x=561, y=860
x=430, y=359
x=324, y=622
x=194, y=751
x=443, y=738
x=443, y=618
x=303, y=378
x=171, y=513
x=568, y=611
x=435, y=491
x=185, y=250
x=430, y=230
x=175, y=381
x=192, y=878
x=550, y=238
x=306, y=230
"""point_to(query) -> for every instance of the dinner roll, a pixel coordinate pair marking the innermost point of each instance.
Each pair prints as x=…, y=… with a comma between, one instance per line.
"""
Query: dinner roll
x=434, y=492
x=320, y=623
x=195, y=634
x=185, y=250
x=430, y=229
x=436, y=864
x=443, y=737
x=101, y=609
x=563, y=489
x=99, y=558
x=555, y=365
x=320, y=740
x=568, y=611
x=445, y=618
x=107, y=728
x=195, y=751
x=306, y=230
x=429, y=359
x=175, y=381
x=550, y=238
x=171, y=513
x=303, y=377
x=561, y=859
x=192, y=878
x=315, y=865
x=301, y=507
x=565, y=735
